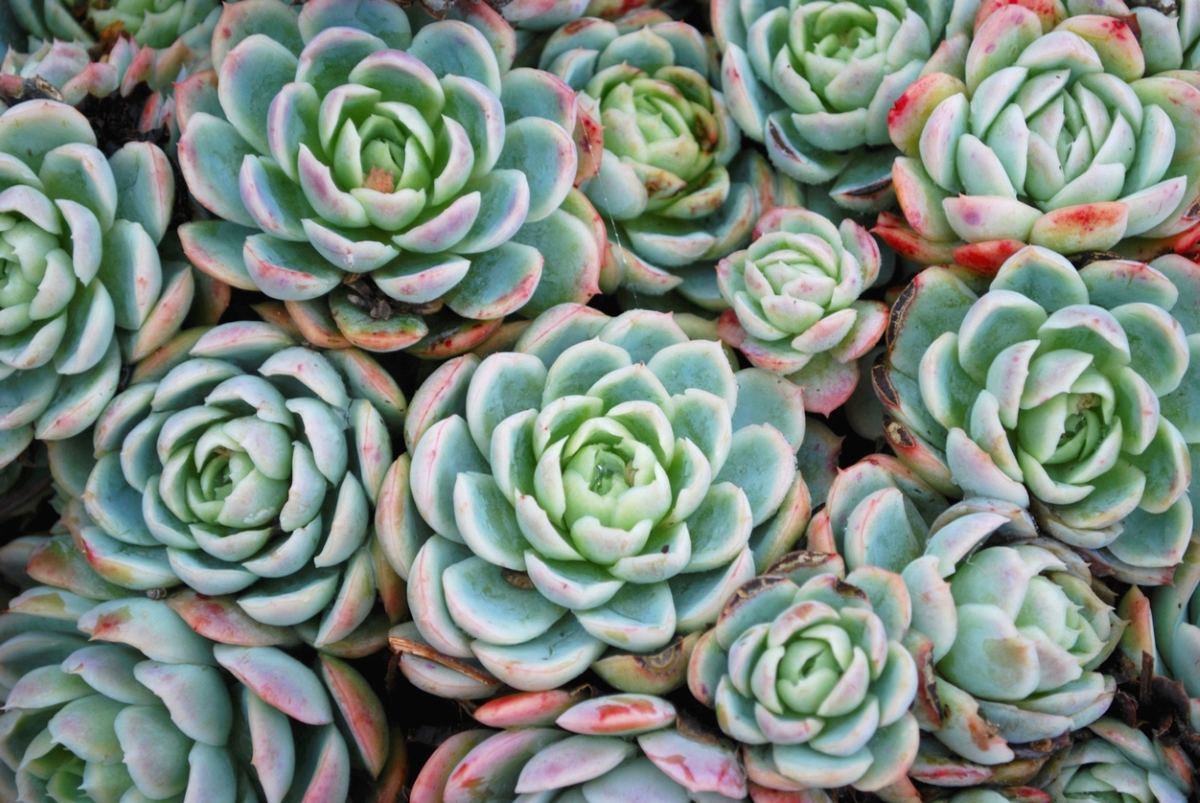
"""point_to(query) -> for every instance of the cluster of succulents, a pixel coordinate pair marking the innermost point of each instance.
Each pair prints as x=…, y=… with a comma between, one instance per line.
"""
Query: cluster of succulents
x=738, y=401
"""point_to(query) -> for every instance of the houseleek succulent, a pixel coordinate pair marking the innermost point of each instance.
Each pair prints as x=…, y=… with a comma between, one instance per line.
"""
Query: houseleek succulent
x=120, y=700
x=1055, y=138
x=1122, y=763
x=806, y=669
x=370, y=177
x=82, y=285
x=559, y=744
x=250, y=468
x=662, y=184
x=1071, y=390
x=606, y=484
x=814, y=81
x=795, y=306
x=156, y=23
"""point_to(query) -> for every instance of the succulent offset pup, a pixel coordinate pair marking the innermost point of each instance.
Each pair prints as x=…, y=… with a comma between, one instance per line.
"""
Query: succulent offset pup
x=607, y=484
x=814, y=81
x=370, y=177
x=1055, y=138
x=559, y=743
x=806, y=669
x=1120, y=762
x=796, y=310
x=1069, y=390
x=82, y=285
x=120, y=700
x=250, y=468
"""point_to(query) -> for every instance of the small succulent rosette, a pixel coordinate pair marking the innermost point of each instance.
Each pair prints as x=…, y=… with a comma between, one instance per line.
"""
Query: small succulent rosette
x=82, y=285
x=663, y=183
x=806, y=670
x=561, y=745
x=249, y=468
x=159, y=24
x=877, y=513
x=391, y=188
x=1008, y=633
x=120, y=700
x=814, y=81
x=794, y=302
x=1122, y=763
x=1168, y=34
x=601, y=488
x=1068, y=390
x=1055, y=138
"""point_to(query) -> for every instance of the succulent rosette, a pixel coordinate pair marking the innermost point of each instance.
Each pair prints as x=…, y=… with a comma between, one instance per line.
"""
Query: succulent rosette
x=120, y=700
x=1008, y=633
x=1120, y=763
x=1071, y=390
x=1055, y=138
x=156, y=23
x=82, y=285
x=663, y=182
x=369, y=177
x=814, y=82
x=561, y=745
x=606, y=484
x=794, y=302
x=805, y=669
x=250, y=468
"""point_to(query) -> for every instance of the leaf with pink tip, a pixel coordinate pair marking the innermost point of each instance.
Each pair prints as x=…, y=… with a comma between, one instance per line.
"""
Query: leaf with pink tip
x=220, y=619
x=359, y=710
x=288, y=271
x=618, y=715
x=149, y=626
x=280, y=680
x=699, y=766
x=145, y=187
x=331, y=55
x=215, y=247
x=211, y=152
x=431, y=781
x=490, y=771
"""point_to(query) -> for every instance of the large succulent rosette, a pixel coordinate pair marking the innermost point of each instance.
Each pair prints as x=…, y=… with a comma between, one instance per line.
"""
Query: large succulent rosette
x=120, y=700
x=82, y=286
x=1008, y=634
x=1055, y=138
x=663, y=184
x=795, y=306
x=1071, y=390
x=156, y=23
x=806, y=669
x=561, y=745
x=1120, y=763
x=604, y=486
x=370, y=177
x=251, y=468
x=814, y=81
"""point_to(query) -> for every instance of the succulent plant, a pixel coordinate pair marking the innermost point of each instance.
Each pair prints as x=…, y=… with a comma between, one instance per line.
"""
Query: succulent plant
x=369, y=177
x=1120, y=763
x=663, y=182
x=794, y=302
x=156, y=23
x=156, y=712
x=806, y=669
x=1055, y=138
x=560, y=744
x=82, y=286
x=249, y=468
x=546, y=15
x=67, y=67
x=1174, y=632
x=1071, y=390
x=814, y=81
x=1008, y=634
x=607, y=483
